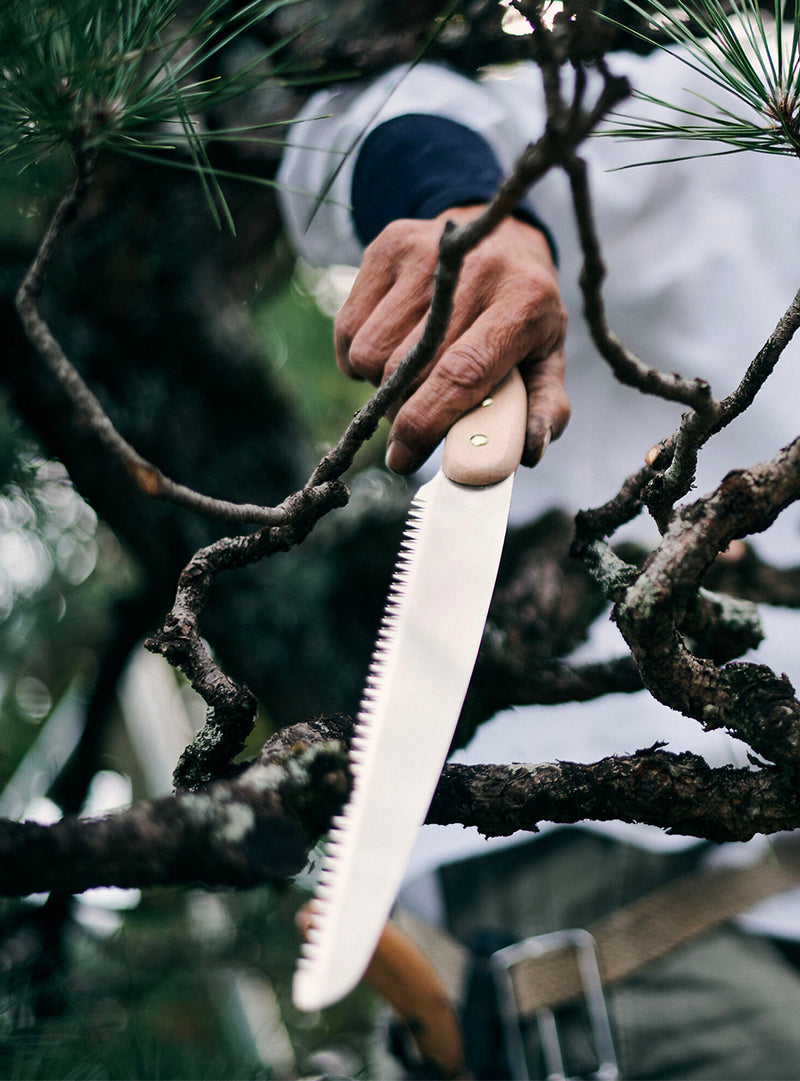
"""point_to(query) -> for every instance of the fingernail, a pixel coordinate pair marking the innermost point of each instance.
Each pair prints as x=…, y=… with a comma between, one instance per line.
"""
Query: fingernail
x=548, y=435
x=398, y=457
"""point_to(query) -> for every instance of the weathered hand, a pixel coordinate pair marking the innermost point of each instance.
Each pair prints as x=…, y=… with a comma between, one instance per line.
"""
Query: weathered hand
x=507, y=310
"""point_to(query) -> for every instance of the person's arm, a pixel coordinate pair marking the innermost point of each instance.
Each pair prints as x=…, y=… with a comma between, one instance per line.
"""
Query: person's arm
x=408, y=175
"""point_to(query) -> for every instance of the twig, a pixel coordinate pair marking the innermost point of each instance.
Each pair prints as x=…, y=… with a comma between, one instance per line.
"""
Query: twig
x=666, y=487
x=651, y=612
x=147, y=477
x=627, y=367
x=567, y=125
x=601, y=522
x=762, y=366
x=670, y=472
x=558, y=681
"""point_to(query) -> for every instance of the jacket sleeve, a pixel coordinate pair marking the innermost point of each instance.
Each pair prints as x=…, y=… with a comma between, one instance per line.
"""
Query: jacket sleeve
x=409, y=144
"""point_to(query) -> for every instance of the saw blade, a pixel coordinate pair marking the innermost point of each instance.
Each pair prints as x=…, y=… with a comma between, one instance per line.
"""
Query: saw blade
x=418, y=678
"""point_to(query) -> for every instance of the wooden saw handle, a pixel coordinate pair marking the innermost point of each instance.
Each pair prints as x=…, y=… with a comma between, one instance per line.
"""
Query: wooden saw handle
x=406, y=979
x=401, y=974
x=486, y=444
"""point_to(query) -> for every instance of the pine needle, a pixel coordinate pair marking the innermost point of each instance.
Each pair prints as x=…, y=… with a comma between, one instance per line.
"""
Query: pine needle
x=90, y=75
x=754, y=63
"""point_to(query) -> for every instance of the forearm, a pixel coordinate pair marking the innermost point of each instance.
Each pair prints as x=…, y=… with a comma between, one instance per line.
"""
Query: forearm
x=368, y=142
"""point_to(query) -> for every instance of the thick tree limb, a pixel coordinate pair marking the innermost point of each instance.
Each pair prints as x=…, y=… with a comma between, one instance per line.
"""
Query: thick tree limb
x=677, y=792
x=238, y=833
x=260, y=826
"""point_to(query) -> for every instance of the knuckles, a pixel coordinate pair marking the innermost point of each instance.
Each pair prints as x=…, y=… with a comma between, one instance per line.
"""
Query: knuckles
x=539, y=315
x=503, y=281
x=367, y=360
x=345, y=328
x=465, y=368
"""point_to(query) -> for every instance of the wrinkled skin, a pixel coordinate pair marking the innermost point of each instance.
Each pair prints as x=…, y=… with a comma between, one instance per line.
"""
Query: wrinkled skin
x=507, y=311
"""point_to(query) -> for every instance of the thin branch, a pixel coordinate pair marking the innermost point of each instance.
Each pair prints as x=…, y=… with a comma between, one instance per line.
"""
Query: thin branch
x=558, y=681
x=147, y=477
x=627, y=367
x=601, y=522
x=747, y=699
x=762, y=366
x=668, y=476
x=676, y=480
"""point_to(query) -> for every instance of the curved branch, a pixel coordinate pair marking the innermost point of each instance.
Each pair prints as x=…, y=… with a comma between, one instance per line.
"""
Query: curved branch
x=669, y=472
x=627, y=367
x=147, y=477
x=652, y=609
x=231, y=706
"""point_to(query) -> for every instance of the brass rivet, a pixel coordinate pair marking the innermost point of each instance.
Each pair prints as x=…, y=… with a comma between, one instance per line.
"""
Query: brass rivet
x=479, y=440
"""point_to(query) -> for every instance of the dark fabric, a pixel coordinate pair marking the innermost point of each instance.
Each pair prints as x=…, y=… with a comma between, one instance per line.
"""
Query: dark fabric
x=416, y=166
x=725, y=1007
x=484, y=1045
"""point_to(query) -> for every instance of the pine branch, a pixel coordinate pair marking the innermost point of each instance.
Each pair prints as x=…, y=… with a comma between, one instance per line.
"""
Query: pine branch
x=147, y=477
x=259, y=826
x=745, y=61
x=650, y=611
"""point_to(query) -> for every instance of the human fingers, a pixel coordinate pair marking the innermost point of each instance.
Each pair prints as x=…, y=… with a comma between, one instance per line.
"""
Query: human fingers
x=510, y=330
x=397, y=269
x=466, y=309
x=548, y=403
x=393, y=325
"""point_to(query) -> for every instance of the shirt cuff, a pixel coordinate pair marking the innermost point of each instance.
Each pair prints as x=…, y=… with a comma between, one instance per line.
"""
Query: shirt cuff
x=418, y=165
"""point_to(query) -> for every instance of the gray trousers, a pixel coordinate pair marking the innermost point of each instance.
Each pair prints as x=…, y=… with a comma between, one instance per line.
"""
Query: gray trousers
x=725, y=1006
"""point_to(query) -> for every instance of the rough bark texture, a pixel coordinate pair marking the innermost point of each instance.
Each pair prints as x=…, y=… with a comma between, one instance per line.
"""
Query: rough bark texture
x=237, y=834
x=259, y=825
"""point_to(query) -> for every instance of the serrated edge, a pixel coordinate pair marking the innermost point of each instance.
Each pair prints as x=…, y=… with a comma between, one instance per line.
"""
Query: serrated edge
x=340, y=837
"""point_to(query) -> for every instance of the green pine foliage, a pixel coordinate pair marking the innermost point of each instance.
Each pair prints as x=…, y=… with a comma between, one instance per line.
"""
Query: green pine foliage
x=128, y=76
x=753, y=59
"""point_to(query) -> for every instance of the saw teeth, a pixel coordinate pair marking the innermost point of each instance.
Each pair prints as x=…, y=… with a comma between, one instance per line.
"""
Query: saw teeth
x=339, y=843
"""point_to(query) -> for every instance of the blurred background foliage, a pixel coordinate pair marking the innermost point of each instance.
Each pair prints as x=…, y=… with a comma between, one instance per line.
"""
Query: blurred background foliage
x=178, y=983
